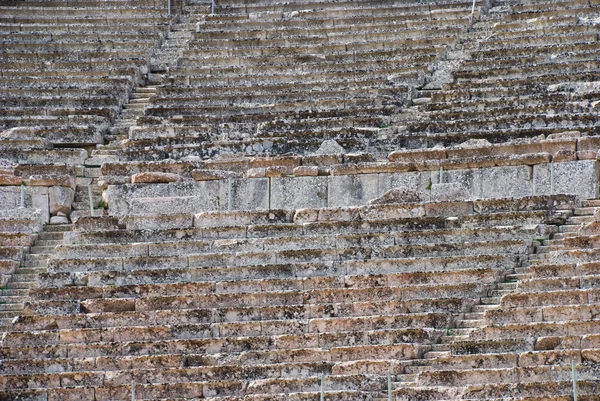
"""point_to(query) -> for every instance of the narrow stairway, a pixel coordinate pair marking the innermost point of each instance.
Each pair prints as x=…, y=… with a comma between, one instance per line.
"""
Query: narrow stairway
x=467, y=322
x=16, y=292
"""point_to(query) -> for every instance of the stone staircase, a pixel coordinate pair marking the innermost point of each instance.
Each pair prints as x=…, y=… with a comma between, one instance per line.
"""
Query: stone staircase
x=468, y=322
x=16, y=292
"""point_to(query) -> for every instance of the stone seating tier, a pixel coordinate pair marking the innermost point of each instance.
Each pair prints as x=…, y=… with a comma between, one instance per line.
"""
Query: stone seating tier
x=266, y=333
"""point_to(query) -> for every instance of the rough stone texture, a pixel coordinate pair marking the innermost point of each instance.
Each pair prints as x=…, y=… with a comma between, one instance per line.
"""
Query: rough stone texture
x=61, y=199
x=449, y=192
x=397, y=195
x=299, y=192
x=155, y=177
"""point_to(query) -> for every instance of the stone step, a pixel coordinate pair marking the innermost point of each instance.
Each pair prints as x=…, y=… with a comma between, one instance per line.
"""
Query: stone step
x=499, y=293
x=590, y=203
x=563, y=235
x=404, y=378
x=23, y=278
x=53, y=242
x=9, y=314
x=21, y=285
x=474, y=315
x=490, y=300
x=518, y=276
x=13, y=292
x=58, y=227
x=6, y=305
x=522, y=270
x=585, y=211
x=507, y=286
x=5, y=321
x=31, y=270
x=440, y=347
x=470, y=323
x=568, y=228
x=12, y=299
x=142, y=100
x=135, y=106
x=483, y=307
x=42, y=250
x=577, y=220
x=50, y=236
x=454, y=338
x=436, y=354
x=32, y=259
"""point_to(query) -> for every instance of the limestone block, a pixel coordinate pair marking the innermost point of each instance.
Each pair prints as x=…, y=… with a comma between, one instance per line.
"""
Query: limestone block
x=506, y=182
x=298, y=192
x=155, y=177
x=306, y=171
x=244, y=194
x=96, y=223
x=352, y=190
x=60, y=199
x=419, y=182
x=40, y=200
x=50, y=180
x=10, y=198
x=452, y=191
x=577, y=177
x=10, y=180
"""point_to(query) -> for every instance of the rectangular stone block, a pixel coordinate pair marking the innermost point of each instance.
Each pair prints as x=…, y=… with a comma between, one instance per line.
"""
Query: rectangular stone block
x=506, y=182
x=352, y=190
x=418, y=181
x=299, y=192
x=244, y=194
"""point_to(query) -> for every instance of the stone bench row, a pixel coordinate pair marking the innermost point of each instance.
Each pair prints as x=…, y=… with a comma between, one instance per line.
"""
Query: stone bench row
x=485, y=275
x=68, y=255
x=401, y=20
x=444, y=239
x=333, y=8
x=173, y=274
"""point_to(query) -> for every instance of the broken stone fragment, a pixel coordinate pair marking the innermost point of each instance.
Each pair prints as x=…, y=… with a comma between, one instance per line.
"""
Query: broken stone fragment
x=155, y=177
x=398, y=195
x=59, y=220
x=61, y=199
x=330, y=147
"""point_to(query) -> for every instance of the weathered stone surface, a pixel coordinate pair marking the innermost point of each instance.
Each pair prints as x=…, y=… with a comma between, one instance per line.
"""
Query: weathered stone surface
x=449, y=192
x=330, y=147
x=50, y=180
x=61, y=199
x=397, y=195
x=155, y=177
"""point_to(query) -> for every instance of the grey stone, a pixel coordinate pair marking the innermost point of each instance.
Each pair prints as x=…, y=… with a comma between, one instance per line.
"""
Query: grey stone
x=352, y=190
x=298, y=192
x=398, y=195
x=61, y=199
x=419, y=182
x=506, y=182
x=330, y=147
x=59, y=220
x=452, y=191
x=244, y=194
